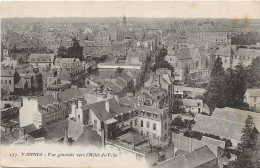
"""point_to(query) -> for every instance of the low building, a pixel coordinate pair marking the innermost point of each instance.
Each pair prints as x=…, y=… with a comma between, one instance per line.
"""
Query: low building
x=245, y=56
x=41, y=60
x=252, y=98
x=194, y=106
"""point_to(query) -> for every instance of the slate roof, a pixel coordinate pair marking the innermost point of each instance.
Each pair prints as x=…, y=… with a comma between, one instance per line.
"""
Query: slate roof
x=200, y=156
x=88, y=136
x=227, y=51
x=10, y=137
x=190, y=102
x=7, y=73
x=221, y=127
x=45, y=100
x=176, y=162
x=43, y=58
x=253, y=92
x=213, y=141
x=69, y=94
x=29, y=128
x=245, y=52
x=21, y=83
x=236, y=115
x=99, y=110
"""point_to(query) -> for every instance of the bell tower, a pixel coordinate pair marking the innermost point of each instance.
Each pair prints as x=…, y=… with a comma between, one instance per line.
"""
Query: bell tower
x=124, y=20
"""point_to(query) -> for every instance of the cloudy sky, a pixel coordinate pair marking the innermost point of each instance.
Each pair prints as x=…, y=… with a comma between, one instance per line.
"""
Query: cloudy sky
x=181, y=9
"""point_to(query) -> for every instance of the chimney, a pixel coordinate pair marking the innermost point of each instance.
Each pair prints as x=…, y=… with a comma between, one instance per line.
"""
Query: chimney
x=107, y=105
x=79, y=103
x=73, y=110
x=21, y=132
x=117, y=98
x=56, y=95
x=103, y=138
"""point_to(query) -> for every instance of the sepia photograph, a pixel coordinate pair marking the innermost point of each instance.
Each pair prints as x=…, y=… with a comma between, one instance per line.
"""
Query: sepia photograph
x=130, y=84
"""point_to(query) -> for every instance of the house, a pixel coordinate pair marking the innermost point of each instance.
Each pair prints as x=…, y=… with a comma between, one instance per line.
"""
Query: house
x=67, y=131
x=199, y=158
x=252, y=98
x=191, y=105
x=152, y=122
x=245, y=56
x=42, y=111
x=41, y=60
x=185, y=92
x=7, y=80
x=103, y=115
x=226, y=54
x=73, y=72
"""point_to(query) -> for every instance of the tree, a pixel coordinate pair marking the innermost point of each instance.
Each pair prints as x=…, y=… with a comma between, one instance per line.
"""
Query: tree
x=75, y=51
x=253, y=71
x=7, y=105
x=248, y=150
x=62, y=52
x=186, y=75
x=213, y=96
x=217, y=70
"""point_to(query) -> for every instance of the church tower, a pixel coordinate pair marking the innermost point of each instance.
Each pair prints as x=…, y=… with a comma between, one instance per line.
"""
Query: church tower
x=124, y=20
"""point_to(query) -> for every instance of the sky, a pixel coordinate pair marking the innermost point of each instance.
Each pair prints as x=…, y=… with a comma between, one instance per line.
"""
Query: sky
x=152, y=9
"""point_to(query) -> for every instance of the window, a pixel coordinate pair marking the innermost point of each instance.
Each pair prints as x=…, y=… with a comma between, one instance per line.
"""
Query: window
x=255, y=99
x=131, y=123
x=10, y=82
x=142, y=123
x=136, y=122
x=165, y=126
x=148, y=124
x=1, y=82
x=95, y=124
x=6, y=82
x=154, y=126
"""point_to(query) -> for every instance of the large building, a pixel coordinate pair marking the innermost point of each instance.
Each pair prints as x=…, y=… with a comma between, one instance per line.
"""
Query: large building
x=7, y=80
x=211, y=36
x=42, y=111
x=124, y=31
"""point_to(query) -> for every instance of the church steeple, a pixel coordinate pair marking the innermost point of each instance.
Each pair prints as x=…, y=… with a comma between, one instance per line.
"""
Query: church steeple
x=124, y=20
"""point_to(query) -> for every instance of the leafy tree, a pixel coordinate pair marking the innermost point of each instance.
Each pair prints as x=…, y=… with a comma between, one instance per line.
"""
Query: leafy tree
x=248, y=150
x=7, y=105
x=160, y=62
x=62, y=52
x=213, y=96
x=250, y=38
x=75, y=51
